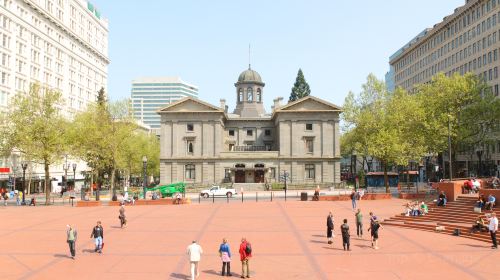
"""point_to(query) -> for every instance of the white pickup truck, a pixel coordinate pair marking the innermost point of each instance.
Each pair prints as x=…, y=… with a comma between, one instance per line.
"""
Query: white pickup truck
x=217, y=191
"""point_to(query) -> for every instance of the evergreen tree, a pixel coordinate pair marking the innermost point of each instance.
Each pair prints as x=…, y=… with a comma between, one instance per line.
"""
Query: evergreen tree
x=300, y=88
x=101, y=97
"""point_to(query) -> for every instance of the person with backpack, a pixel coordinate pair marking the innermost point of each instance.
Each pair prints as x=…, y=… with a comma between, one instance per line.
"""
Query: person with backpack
x=359, y=224
x=374, y=227
x=225, y=255
x=346, y=235
x=98, y=235
x=329, y=227
x=245, y=255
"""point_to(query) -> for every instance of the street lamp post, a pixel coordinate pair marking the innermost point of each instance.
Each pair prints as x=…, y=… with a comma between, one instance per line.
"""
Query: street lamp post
x=14, y=171
x=65, y=181
x=74, y=176
x=24, y=165
x=145, y=171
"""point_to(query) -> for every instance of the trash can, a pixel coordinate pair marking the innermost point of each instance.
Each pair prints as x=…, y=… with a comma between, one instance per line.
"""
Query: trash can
x=303, y=196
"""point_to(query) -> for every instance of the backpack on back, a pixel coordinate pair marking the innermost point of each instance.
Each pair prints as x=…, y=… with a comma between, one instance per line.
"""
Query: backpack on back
x=248, y=249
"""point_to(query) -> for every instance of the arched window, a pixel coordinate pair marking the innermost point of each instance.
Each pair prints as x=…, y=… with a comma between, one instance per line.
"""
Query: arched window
x=259, y=95
x=190, y=147
x=240, y=95
x=249, y=94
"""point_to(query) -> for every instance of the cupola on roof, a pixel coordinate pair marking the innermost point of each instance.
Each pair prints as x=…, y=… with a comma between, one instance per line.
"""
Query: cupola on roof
x=249, y=76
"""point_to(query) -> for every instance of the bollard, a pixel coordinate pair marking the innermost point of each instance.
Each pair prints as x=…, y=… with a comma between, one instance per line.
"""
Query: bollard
x=213, y=198
x=199, y=198
x=256, y=197
x=242, y=197
x=271, y=196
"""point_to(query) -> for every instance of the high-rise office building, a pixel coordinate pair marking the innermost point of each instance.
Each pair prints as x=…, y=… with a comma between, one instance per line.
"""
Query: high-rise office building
x=152, y=93
x=62, y=44
x=466, y=41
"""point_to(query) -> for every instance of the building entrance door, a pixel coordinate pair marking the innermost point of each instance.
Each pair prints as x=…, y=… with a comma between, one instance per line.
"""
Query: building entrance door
x=239, y=176
x=259, y=176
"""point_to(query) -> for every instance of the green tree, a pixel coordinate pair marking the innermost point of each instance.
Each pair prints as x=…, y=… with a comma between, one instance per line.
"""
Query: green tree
x=384, y=125
x=33, y=125
x=462, y=107
x=300, y=88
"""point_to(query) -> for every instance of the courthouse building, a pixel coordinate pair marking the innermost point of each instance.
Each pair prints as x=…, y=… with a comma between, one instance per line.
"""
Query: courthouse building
x=203, y=144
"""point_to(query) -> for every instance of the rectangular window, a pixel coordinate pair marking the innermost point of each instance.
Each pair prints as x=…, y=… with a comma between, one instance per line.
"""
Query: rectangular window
x=231, y=147
x=309, y=126
x=272, y=170
x=309, y=168
x=190, y=127
x=227, y=173
x=496, y=92
x=231, y=132
x=309, y=145
x=267, y=132
x=190, y=171
x=249, y=132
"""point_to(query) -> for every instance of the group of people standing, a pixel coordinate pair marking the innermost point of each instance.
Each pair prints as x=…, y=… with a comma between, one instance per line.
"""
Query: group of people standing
x=345, y=231
x=195, y=251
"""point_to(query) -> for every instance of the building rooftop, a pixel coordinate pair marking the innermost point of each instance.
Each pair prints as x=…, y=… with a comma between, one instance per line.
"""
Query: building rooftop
x=159, y=80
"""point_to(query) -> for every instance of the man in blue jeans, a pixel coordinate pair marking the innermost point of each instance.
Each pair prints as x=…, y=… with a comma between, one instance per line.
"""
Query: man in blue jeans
x=98, y=235
x=354, y=196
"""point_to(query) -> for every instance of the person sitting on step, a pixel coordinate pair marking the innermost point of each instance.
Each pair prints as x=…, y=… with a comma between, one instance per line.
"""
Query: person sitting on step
x=491, y=202
x=442, y=199
x=481, y=201
x=423, y=209
x=478, y=226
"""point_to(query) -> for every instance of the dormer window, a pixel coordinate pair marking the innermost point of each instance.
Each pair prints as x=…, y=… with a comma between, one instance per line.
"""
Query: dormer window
x=249, y=94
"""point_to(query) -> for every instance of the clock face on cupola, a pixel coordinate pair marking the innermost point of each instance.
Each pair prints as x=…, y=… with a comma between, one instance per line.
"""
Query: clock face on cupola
x=249, y=90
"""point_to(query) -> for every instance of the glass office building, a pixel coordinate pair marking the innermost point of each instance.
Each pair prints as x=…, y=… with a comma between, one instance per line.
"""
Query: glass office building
x=152, y=93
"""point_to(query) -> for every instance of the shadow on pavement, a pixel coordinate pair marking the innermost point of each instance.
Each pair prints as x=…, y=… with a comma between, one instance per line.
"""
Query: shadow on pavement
x=334, y=248
x=88, y=251
x=179, y=276
x=211, y=271
x=62, y=256
x=317, y=235
x=363, y=246
x=317, y=241
x=476, y=246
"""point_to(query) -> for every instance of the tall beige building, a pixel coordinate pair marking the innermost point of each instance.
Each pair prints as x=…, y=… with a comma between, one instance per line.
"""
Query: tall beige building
x=202, y=144
x=466, y=41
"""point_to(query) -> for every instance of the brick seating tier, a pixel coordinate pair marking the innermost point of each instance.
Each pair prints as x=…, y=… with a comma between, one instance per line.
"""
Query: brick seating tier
x=366, y=196
x=458, y=214
x=162, y=201
x=90, y=203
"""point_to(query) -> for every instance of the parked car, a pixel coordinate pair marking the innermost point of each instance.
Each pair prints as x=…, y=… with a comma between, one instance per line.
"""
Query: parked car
x=217, y=191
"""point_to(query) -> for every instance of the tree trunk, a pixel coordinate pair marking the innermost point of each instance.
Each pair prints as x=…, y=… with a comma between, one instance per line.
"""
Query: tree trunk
x=113, y=171
x=48, y=181
x=386, y=178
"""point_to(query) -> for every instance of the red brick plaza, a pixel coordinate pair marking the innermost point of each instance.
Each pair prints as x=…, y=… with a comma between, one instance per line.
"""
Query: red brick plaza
x=288, y=240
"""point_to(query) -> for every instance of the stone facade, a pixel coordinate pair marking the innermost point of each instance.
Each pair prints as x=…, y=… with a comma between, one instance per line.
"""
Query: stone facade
x=204, y=144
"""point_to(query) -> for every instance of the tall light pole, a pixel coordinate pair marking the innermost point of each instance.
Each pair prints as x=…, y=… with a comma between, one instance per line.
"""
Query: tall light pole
x=145, y=171
x=24, y=165
x=449, y=150
x=74, y=176
x=65, y=181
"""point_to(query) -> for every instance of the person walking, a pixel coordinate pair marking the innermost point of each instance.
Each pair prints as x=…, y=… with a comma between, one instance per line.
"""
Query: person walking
x=245, y=255
x=346, y=235
x=18, y=197
x=359, y=223
x=353, y=200
x=493, y=227
x=98, y=235
x=374, y=227
x=329, y=227
x=225, y=255
x=123, y=220
x=194, y=251
x=71, y=235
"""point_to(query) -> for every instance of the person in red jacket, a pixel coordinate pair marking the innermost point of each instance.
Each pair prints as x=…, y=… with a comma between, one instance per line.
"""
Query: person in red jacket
x=245, y=255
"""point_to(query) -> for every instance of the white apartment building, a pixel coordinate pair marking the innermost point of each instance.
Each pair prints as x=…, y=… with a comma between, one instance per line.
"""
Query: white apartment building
x=62, y=44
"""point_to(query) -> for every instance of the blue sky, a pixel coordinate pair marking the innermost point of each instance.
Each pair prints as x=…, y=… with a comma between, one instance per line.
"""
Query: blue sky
x=336, y=43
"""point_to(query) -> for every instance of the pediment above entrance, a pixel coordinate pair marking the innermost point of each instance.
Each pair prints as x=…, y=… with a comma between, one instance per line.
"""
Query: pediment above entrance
x=190, y=104
x=310, y=103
